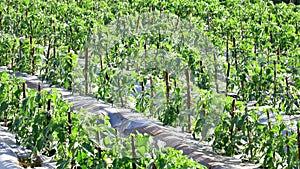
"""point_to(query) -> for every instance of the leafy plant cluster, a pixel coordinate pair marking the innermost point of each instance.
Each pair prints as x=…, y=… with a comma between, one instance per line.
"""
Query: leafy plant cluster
x=274, y=145
x=47, y=125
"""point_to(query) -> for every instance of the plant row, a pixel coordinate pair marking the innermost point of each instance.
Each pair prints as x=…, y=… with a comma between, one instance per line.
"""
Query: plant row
x=46, y=125
x=256, y=59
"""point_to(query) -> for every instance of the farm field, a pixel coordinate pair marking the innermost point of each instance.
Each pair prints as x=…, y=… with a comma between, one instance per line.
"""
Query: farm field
x=225, y=73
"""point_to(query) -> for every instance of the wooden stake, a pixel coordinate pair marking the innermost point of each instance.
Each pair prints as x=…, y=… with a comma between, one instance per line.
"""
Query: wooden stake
x=215, y=73
x=208, y=21
x=151, y=92
x=269, y=120
x=287, y=87
x=227, y=77
x=133, y=151
x=298, y=132
x=204, y=111
x=227, y=48
x=188, y=81
x=24, y=90
x=278, y=53
x=99, y=148
x=12, y=58
x=120, y=93
x=20, y=50
x=86, y=70
x=70, y=121
x=49, y=105
x=101, y=64
x=232, y=116
x=287, y=147
x=167, y=86
x=275, y=74
x=234, y=54
x=47, y=58
x=40, y=92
